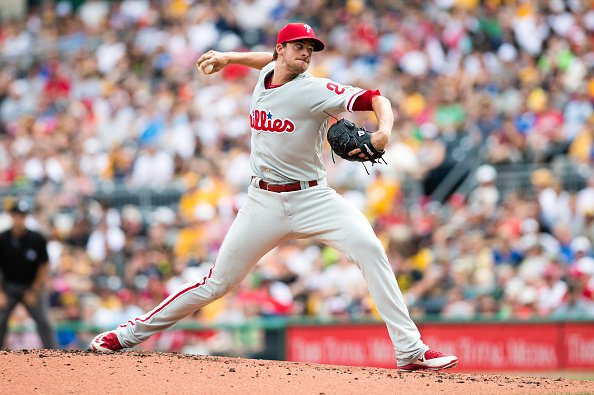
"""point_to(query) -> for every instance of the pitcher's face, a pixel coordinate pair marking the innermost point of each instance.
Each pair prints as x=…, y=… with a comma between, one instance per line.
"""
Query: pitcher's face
x=296, y=55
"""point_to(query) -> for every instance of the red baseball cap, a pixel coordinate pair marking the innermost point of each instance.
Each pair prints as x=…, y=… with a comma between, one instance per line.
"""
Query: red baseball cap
x=299, y=31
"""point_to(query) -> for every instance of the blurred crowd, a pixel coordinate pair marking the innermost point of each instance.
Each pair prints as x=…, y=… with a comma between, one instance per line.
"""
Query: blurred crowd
x=106, y=94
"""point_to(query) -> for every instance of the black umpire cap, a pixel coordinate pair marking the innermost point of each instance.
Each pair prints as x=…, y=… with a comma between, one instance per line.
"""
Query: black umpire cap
x=18, y=206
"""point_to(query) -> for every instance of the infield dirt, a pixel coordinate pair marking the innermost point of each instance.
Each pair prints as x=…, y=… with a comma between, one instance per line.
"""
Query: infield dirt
x=83, y=372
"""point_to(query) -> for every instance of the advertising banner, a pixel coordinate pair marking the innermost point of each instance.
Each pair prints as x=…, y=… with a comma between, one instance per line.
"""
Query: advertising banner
x=480, y=346
x=497, y=346
x=578, y=346
x=353, y=345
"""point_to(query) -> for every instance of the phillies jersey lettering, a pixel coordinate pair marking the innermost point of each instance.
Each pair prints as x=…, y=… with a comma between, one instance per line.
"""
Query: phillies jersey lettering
x=289, y=125
x=264, y=120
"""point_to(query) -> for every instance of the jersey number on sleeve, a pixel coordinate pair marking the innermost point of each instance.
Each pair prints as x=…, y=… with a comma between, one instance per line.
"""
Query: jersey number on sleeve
x=339, y=90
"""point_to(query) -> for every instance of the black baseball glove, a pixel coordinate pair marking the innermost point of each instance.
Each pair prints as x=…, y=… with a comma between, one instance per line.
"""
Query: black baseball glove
x=344, y=136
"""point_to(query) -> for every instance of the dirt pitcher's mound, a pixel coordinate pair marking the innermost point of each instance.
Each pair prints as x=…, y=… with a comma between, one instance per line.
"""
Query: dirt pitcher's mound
x=82, y=372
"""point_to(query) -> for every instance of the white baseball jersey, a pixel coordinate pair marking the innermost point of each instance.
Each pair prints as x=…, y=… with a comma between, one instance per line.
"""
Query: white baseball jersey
x=288, y=132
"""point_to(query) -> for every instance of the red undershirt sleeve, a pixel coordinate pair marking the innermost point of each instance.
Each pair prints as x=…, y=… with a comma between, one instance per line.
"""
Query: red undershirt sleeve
x=363, y=102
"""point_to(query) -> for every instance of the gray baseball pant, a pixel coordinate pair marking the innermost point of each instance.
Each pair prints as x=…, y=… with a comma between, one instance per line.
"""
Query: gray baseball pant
x=268, y=219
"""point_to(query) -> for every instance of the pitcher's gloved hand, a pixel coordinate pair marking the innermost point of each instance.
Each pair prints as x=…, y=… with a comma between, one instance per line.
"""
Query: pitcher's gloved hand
x=345, y=136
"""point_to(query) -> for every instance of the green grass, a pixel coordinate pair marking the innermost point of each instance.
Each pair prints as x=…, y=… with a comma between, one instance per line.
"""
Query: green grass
x=571, y=375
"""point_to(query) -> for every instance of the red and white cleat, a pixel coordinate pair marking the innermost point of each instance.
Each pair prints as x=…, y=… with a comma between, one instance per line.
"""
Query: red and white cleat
x=106, y=342
x=431, y=360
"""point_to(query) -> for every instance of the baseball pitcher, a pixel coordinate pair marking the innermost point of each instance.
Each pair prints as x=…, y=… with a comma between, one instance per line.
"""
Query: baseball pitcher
x=289, y=198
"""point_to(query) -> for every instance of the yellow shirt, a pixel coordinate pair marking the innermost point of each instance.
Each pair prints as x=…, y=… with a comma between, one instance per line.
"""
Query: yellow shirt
x=581, y=148
x=191, y=242
x=422, y=259
x=381, y=194
x=208, y=191
x=414, y=104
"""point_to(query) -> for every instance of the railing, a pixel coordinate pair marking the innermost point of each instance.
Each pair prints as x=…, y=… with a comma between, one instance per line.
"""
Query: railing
x=41, y=48
x=117, y=195
x=510, y=178
x=516, y=178
x=467, y=161
x=146, y=198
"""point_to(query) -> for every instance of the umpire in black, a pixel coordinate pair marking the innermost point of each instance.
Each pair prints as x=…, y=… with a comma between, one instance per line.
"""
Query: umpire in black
x=24, y=271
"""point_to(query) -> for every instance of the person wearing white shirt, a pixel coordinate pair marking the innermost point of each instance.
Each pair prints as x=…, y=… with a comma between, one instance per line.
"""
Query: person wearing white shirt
x=153, y=168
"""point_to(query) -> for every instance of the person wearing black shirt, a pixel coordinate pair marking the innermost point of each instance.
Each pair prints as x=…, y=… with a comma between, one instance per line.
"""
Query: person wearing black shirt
x=24, y=271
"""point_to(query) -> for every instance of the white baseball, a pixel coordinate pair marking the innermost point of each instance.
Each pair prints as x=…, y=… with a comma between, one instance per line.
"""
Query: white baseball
x=208, y=68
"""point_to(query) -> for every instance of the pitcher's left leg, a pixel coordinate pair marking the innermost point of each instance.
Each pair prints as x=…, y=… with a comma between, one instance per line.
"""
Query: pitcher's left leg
x=365, y=249
x=329, y=218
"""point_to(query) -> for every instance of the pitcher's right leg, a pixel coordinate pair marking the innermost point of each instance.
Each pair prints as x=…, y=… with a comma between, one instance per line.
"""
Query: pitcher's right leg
x=258, y=228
